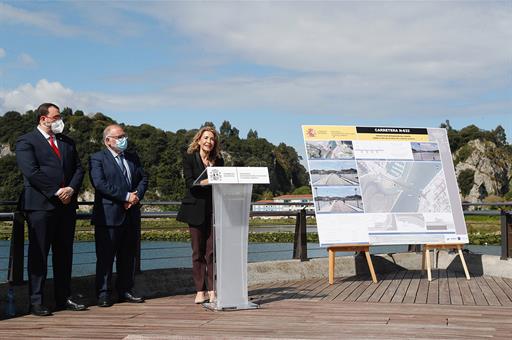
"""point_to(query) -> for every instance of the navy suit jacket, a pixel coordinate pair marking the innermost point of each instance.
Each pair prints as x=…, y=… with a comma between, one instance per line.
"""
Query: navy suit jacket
x=111, y=188
x=44, y=173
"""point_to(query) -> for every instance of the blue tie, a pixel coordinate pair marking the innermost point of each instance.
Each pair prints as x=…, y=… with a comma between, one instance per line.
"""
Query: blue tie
x=123, y=168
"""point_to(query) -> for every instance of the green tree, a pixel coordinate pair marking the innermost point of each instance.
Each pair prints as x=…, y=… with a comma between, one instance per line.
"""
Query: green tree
x=303, y=190
x=252, y=134
x=465, y=180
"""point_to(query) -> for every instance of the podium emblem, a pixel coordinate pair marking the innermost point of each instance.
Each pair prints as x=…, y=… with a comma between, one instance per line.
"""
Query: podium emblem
x=216, y=175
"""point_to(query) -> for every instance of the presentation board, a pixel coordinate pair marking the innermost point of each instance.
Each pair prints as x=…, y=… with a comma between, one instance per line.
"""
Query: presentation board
x=383, y=185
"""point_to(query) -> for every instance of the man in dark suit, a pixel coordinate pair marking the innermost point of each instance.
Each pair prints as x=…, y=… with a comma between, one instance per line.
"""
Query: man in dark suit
x=52, y=176
x=120, y=183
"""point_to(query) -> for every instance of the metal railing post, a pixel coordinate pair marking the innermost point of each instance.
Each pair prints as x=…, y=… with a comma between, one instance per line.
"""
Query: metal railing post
x=300, y=245
x=15, y=271
x=506, y=234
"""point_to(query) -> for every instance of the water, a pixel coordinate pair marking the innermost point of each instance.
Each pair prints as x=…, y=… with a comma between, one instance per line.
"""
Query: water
x=164, y=254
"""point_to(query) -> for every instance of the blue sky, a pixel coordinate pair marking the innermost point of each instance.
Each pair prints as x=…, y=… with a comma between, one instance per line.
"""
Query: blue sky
x=269, y=66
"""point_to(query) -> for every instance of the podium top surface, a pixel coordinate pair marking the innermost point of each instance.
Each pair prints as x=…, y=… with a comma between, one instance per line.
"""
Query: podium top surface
x=237, y=175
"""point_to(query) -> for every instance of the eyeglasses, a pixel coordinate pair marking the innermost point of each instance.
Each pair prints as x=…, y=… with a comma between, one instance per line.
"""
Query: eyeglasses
x=118, y=137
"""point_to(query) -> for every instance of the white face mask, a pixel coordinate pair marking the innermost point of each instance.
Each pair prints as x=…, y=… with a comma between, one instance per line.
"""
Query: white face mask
x=57, y=126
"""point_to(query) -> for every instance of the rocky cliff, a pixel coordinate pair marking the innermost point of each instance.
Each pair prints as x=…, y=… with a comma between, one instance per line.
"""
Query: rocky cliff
x=482, y=169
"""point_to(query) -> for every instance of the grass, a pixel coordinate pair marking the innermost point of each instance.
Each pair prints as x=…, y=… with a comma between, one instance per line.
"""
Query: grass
x=481, y=230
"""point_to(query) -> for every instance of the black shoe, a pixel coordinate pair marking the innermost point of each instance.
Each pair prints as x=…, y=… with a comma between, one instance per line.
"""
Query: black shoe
x=129, y=297
x=39, y=310
x=105, y=301
x=71, y=305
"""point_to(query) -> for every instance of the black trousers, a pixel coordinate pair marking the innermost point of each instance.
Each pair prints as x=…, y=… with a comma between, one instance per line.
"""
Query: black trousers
x=202, y=255
x=55, y=229
x=119, y=242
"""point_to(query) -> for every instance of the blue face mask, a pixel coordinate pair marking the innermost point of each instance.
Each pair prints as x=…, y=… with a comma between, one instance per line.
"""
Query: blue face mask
x=122, y=143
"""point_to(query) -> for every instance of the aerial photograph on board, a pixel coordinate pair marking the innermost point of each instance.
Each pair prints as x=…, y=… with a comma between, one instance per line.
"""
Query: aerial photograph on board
x=394, y=186
x=333, y=149
x=344, y=199
x=425, y=151
x=333, y=173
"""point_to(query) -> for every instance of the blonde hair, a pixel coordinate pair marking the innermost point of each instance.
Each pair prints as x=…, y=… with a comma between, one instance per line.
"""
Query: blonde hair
x=194, y=145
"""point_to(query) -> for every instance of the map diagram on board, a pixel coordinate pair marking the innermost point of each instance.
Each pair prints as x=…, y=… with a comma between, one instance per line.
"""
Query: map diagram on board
x=383, y=185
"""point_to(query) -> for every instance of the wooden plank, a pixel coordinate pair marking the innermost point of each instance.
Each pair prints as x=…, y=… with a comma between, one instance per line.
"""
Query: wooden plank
x=498, y=292
x=279, y=318
x=338, y=290
x=384, y=284
x=265, y=290
x=505, y=295
x=410, y=294
x=308, y=292
x=274, y=290
x=402, y=288
x=455, y=296
x=346, y=292
x=505, y=287
x=465, y=291
x=433, y=288
x=422, y=293
x=292, y=291
x=320, y=288
x=507, y=281
x=444, y=289
x=477, y=293
x=393, y=286
x=368, y=292
x=328, y=288
x=178, y=318
x=492, y=300
x=359, y=290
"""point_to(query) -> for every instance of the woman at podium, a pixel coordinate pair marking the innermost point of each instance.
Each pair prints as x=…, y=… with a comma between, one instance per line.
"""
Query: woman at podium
x=196, y=208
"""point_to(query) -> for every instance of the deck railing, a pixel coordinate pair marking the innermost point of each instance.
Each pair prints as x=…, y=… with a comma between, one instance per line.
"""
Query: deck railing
x=295, y=210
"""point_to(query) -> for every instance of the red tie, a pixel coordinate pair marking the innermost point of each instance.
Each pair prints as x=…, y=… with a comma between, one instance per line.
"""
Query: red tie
x=54, y=147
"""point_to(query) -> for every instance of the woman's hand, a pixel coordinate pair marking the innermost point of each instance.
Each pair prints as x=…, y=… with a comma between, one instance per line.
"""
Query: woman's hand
x=204, y=182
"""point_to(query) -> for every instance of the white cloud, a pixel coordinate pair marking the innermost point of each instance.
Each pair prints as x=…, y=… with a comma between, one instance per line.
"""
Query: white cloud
x=2, y=53
x=379, y=39
x=46, y=21
x=100, y=21
x=355, y=59
x=26, y=59
x=28, y=97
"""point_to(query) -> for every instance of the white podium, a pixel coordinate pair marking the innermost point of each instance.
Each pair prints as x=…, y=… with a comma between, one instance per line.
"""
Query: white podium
x=232, y=189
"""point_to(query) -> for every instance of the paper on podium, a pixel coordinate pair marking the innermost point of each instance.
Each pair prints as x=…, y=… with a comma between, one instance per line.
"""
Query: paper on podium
x=237, y=175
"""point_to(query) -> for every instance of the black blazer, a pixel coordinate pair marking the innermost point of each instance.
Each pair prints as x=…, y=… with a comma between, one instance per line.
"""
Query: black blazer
x=43, y=171
x=111, y=188
x=197, y=203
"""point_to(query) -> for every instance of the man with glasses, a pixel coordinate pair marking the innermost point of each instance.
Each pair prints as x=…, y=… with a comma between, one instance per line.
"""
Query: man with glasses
x=120, y=183
x=52, y=176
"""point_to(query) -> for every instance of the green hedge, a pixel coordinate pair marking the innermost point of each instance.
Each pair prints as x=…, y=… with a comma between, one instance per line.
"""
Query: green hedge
x=485, y=238
x=270, y=237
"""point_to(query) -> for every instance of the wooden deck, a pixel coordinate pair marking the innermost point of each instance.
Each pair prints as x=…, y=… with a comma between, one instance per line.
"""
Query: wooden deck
x=401, y=305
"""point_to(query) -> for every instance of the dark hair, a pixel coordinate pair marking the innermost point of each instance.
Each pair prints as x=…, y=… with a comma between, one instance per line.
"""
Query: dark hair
x=42, y=110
